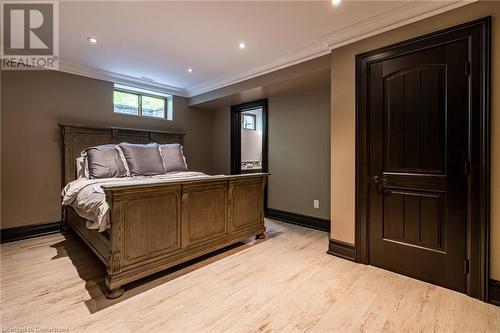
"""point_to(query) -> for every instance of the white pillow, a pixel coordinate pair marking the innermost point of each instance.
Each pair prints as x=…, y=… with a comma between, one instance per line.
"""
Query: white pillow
x=82, y=168
x=124, y=160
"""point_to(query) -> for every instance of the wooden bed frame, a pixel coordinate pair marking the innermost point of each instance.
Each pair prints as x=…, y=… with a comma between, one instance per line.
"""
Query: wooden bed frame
x=157, y=226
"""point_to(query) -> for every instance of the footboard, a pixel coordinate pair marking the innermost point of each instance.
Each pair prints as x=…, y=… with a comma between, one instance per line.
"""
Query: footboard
x=156, y=226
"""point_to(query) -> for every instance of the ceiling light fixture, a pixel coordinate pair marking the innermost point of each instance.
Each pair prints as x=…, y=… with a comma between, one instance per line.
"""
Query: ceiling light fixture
x=242, y=45
x=336, y=2
x=92, y=40
x=190, y=70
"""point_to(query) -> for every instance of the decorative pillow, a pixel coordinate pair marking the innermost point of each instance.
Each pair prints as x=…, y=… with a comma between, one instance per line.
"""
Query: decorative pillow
x=104, y=162
x=143, y=160
x=173, y=157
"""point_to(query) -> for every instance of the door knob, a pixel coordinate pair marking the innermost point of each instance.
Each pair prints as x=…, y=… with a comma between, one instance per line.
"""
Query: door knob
x=378, y=181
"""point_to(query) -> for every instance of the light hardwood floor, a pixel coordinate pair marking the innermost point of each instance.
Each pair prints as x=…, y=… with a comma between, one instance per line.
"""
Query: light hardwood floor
x=285, y=283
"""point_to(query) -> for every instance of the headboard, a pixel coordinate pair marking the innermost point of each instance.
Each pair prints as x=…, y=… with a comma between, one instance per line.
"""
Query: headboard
x=77, y=138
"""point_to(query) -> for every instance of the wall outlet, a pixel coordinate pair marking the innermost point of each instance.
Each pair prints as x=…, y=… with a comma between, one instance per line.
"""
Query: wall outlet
x=316, y=203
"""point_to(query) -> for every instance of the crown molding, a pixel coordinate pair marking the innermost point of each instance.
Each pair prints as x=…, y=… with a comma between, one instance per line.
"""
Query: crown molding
x=104, y=75
x=397, y=17
x=391, y=19
x=403, y=15
x=308, y=52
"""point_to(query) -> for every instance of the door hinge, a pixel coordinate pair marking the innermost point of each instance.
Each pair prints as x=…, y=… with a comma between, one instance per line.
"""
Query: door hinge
x=467, y=168
x=467, y=68
x=466, y=266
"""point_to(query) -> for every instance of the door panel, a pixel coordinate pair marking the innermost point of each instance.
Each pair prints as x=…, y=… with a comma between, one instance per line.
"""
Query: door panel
x=418, y=143
x=414, y=218
x=414, y=138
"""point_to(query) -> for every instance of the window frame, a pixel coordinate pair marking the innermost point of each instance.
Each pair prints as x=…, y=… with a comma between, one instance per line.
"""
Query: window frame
x=254, y=121
x=139, y=95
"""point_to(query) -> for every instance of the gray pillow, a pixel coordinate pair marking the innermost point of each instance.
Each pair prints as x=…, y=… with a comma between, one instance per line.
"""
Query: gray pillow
x=104, y=162
x=143, y=160
x=173, y=157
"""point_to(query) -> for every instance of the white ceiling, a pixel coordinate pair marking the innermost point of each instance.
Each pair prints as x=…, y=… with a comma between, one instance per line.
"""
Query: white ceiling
x=160, y=40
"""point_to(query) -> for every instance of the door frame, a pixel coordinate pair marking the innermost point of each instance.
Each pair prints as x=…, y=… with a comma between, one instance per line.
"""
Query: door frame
x=236, y=134
x=478, y=35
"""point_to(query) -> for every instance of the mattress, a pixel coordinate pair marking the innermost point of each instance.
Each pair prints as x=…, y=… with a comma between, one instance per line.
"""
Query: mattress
x=87, y=197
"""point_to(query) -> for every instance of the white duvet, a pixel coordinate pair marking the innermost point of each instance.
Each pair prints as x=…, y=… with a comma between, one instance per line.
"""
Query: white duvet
x=89, y=201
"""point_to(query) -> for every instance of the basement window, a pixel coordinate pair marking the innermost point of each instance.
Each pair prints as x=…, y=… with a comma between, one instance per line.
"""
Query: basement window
x=140, y=102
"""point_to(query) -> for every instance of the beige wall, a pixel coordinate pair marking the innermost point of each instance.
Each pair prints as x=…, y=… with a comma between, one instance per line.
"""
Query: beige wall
x=34, y=102
x=299, y=149
x=299, y=159
x=221, y=140
x=343, y=117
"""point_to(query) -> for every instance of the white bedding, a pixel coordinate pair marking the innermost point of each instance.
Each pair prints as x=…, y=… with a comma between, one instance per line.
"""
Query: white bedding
x=89, y=201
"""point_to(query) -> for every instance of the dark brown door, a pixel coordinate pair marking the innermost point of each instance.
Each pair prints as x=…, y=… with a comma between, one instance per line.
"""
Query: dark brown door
x=418, y=165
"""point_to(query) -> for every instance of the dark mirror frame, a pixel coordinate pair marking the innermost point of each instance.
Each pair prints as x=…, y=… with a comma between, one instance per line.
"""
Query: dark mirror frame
x=236, y=111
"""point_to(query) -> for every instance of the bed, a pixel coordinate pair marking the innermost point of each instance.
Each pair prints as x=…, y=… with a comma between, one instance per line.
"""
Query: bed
x=157, y=225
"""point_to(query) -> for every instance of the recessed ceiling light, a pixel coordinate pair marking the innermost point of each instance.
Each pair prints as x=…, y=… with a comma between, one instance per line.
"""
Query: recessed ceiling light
x=190, y=70
x=92, y=40
x=242, y=45
x=336, y=2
